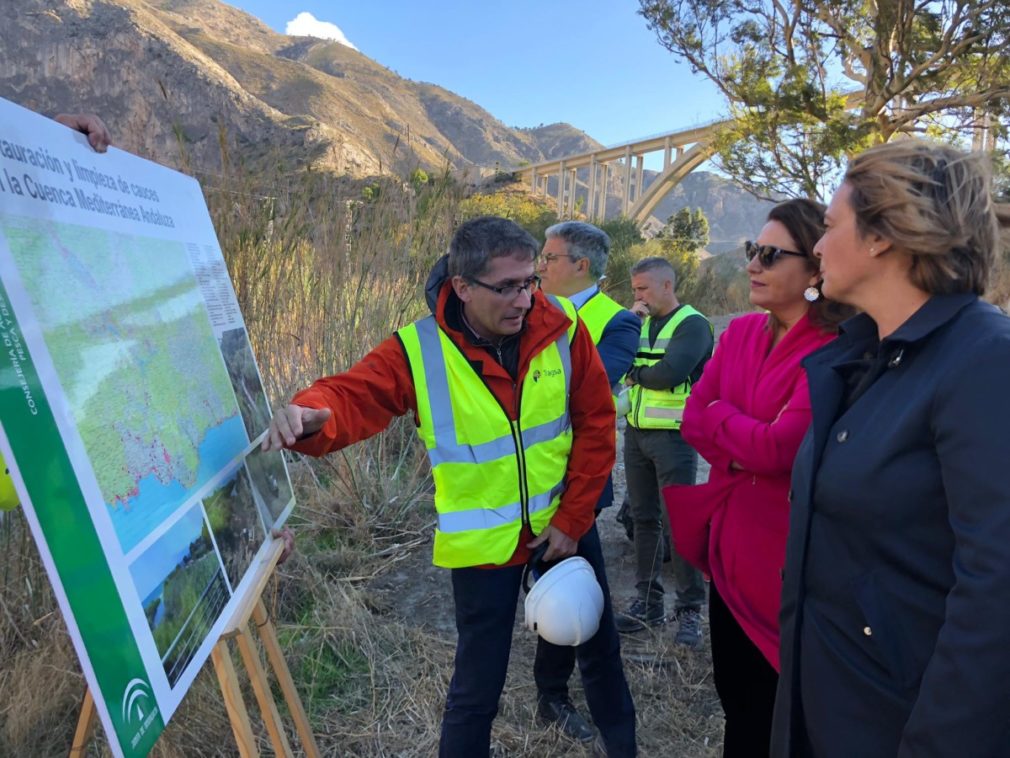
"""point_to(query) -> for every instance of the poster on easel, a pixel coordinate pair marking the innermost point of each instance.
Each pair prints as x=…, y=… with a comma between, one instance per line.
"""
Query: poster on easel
x=131, y=411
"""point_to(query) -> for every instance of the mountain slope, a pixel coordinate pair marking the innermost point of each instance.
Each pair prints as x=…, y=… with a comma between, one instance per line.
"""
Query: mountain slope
x=174, y=76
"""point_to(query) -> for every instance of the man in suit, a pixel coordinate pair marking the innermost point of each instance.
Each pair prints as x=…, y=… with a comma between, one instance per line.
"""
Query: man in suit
x=571, y=265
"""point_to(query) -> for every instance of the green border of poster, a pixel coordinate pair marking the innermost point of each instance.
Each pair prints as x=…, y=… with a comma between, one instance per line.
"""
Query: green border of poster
x=73, y=545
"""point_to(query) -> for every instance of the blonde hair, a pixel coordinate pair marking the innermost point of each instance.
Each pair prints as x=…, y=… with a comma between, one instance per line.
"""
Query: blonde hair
x=934, y=203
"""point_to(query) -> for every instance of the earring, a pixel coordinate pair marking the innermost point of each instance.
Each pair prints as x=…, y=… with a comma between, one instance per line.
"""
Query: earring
x=811, y=294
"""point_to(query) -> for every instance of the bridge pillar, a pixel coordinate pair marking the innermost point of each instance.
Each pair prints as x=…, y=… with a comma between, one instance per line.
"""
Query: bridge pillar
x=626, y=191
x=533, y=179
x=591, y=199
x=605, y=181
x=666, y=153
x=640, y=175
x=562, y=173
x=571, y=192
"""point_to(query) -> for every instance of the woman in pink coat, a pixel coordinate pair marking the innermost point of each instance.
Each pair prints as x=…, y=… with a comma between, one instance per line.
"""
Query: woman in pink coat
x=746, y=417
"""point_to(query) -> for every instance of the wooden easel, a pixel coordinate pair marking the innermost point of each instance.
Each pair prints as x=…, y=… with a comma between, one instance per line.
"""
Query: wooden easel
x=239, y=629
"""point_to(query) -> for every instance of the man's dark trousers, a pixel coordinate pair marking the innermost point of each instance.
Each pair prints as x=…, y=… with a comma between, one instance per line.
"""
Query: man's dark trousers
x=653, y=459
x=485, y=613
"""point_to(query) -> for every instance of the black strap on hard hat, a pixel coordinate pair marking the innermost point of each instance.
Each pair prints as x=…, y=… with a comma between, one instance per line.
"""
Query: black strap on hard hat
x=536, y=564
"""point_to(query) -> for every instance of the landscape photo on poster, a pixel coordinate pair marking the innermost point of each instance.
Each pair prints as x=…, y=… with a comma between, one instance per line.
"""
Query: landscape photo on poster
x=235, y=522
x=184, y=590
x=270, y=483
x=246, y=381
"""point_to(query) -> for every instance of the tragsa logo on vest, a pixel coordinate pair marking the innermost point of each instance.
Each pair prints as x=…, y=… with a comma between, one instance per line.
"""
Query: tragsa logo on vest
x=546, y=373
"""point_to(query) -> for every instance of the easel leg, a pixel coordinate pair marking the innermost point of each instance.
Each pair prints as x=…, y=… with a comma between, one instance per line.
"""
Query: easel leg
x=237, y=713
x=85, y=725
x=261, y=687
x=268, y=636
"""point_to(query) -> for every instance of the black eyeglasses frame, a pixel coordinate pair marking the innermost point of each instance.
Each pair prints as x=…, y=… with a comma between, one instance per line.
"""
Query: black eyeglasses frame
x=531, y=285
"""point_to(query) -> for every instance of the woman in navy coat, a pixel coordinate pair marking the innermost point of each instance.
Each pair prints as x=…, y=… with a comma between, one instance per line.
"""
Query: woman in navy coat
x=896, y=590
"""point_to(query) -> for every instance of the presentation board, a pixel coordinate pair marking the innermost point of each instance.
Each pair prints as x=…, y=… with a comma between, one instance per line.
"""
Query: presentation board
x=131, y=409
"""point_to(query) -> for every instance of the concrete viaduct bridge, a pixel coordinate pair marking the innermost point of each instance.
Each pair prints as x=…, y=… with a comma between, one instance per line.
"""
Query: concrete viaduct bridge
x=590, y=174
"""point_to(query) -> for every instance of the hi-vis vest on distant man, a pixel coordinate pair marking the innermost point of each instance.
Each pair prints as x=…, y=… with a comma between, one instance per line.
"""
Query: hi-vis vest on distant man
x=659, y=409
x=491, y=475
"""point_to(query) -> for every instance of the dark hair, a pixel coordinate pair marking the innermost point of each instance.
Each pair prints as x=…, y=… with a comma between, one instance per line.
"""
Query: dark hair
x=804, y=220
x=654, y=264
x=480, y=239
x=584, y=241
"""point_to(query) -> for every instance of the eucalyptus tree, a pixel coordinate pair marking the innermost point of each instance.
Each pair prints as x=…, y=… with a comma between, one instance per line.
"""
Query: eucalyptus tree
x=810, y=81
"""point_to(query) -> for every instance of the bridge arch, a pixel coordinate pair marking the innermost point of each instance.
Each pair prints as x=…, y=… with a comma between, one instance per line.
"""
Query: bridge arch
x=683, y=151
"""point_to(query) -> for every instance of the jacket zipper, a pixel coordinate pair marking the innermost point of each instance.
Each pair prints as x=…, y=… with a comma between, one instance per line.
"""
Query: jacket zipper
x=517, y=440
x=517, y=435
x=638, y=405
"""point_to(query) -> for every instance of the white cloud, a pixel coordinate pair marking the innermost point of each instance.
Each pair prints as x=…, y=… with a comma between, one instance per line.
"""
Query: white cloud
x=307, y=25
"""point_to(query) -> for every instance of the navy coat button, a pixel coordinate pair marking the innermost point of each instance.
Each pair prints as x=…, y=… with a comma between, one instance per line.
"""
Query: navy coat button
x=843, y=435
x=867, y=631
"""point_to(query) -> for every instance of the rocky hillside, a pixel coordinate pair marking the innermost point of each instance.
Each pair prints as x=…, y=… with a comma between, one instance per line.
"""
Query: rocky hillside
x=174, y=76
x=733, y=215
x=177, y=79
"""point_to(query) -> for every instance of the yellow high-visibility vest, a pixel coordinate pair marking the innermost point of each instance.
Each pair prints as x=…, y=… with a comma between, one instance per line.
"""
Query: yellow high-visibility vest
x=659, y=409
x=491, y=475
x=597, y=312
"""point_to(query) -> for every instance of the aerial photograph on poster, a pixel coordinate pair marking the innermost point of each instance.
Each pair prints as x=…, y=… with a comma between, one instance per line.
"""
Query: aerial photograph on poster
x=183, y=588
x=235, y=522
x=270, y=483
x=245, y=378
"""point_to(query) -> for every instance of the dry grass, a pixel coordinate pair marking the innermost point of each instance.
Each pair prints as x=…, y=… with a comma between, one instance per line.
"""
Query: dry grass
x=325, y=270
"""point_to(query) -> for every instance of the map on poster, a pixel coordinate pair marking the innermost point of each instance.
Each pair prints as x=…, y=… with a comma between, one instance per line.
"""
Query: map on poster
x=131, y=409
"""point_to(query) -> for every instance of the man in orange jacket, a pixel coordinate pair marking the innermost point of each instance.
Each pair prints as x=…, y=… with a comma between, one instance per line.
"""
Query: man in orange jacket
x=485, y=304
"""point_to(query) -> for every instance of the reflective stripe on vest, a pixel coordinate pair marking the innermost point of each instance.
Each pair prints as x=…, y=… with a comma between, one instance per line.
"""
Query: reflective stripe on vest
x=490, y=474
x=659, y=409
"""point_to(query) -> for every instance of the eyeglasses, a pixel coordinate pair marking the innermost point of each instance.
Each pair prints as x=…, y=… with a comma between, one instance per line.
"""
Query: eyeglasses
x=767, y=255
x=551, y=257
x=512, y=291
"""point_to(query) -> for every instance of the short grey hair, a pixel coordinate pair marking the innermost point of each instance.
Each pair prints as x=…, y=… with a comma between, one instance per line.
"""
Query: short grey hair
x=654, y=263
x=584, y=241
x=480, y=239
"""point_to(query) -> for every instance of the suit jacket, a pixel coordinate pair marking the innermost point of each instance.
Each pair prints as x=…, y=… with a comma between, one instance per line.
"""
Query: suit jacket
x=896, y=598
x=617, y=347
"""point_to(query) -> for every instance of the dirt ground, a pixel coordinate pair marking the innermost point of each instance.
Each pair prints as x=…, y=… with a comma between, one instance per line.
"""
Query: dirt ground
x=678, y=711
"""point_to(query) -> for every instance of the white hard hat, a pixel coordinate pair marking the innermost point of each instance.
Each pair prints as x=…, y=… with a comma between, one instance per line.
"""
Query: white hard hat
x=566, y=603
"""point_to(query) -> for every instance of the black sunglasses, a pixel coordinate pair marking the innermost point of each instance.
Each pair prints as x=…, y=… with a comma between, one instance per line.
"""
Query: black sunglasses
x=511, y=291
x=767, y=255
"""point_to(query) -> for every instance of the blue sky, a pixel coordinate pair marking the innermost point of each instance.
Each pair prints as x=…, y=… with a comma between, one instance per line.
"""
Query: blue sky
x=592, y=63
